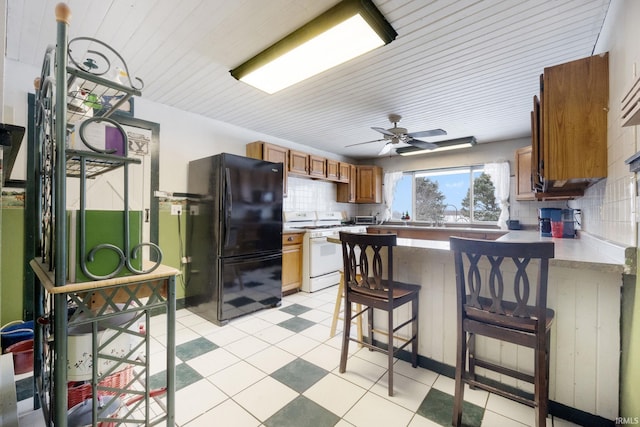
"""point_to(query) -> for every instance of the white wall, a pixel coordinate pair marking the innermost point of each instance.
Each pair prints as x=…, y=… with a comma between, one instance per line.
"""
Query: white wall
x=609, y=207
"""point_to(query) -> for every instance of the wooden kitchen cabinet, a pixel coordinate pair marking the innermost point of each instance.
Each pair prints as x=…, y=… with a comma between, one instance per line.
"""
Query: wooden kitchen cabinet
x=364, y=186
x=368, y=184
x=298, y=162
x=272, y=153
x=524, y=189
x=317, y=166
x=344, y=172
x=333, y=170
x=346, y=192
x=291, y=262
x=570, y=128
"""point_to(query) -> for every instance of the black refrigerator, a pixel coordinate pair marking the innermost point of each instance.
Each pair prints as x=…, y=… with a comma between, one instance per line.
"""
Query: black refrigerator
x=234, y=236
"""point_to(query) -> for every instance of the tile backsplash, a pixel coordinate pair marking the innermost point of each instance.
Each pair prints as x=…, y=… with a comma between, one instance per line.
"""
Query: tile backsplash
x=305, y=194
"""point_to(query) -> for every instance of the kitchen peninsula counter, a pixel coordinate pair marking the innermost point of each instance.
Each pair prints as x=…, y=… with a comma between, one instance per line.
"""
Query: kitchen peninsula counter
x=585, y=285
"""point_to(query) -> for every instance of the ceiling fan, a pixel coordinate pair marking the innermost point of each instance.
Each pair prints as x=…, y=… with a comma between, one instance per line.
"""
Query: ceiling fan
x=397, y=134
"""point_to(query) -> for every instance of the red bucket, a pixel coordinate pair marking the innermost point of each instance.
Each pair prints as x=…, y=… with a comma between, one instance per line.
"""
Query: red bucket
x=22, y=356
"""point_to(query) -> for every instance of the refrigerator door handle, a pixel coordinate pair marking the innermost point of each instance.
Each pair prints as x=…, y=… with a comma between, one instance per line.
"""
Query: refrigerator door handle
x=228, y=206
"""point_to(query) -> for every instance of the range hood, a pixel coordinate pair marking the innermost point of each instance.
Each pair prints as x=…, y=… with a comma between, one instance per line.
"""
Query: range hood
x=10, y=141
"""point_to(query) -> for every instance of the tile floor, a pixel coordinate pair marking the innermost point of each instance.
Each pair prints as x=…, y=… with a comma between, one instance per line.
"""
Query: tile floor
x=279, y=368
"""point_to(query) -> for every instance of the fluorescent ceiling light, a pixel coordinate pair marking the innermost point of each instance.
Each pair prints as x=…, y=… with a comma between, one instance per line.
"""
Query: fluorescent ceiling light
x=451, y=144
x=348, y=30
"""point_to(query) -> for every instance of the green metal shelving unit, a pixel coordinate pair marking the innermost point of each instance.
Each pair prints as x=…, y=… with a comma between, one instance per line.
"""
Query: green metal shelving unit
x=91, y=339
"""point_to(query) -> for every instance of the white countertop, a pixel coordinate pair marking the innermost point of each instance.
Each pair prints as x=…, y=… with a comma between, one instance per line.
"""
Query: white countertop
x=586, y=251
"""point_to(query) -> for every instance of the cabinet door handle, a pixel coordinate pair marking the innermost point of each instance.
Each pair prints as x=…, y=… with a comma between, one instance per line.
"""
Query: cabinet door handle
x=290, y=239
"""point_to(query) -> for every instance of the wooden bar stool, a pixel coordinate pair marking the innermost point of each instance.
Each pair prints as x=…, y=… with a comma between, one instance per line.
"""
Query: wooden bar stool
x=486, y=272
x=371, y=255
x=337, y=310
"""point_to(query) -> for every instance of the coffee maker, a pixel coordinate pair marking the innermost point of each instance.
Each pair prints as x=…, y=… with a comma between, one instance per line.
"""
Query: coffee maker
x=556, y=222
x=545, y=217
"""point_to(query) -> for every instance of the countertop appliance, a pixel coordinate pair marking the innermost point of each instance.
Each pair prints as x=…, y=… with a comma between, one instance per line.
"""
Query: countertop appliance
x=321, y=260
x=364, y=220
x=234, y=236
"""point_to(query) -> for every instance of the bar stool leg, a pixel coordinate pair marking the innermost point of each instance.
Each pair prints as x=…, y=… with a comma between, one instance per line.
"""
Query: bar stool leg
x=336, y=311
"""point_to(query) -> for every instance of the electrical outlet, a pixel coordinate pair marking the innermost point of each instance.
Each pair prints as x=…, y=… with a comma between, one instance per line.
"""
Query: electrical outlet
x=176, y=209
x=194, y=210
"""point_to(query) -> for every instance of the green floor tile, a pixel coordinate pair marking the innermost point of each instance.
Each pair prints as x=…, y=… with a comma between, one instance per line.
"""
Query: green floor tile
x=295, y=309
x=185, y=375
x=296, y=324
x=302, y=412
x=438, y=407
x=299, y=375
x=194, y=348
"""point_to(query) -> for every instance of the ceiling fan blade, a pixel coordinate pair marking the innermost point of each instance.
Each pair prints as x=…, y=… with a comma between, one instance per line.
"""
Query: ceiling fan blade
x=426, y=133
x=367, y=142
x=422, y=144
x=384, y=131
x=385, y=149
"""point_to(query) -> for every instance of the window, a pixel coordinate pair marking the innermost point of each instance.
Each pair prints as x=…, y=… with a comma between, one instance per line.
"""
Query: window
x=454, y=195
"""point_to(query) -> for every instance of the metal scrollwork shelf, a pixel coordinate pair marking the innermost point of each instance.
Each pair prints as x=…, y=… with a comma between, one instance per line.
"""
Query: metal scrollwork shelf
x=91, y=339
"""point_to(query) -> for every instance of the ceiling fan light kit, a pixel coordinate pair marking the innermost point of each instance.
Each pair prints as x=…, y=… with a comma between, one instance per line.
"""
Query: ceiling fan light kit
x=347, y=30
x=396, y=135
x=451, y=144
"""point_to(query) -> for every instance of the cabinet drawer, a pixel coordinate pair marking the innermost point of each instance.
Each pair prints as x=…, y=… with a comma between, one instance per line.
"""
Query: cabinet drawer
x=292, y=238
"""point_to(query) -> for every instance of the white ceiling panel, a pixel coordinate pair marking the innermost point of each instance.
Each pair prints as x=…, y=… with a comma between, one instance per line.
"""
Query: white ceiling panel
x=470, y=67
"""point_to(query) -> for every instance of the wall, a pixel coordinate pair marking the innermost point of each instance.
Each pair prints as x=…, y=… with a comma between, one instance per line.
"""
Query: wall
x=526, y=212
x=610, y=208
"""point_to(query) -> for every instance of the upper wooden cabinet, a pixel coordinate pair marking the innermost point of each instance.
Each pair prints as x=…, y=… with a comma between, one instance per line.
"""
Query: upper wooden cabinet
x=272, y=153
x=369, y=184
x=344, y=172
x=317, y=166
x=524, y=189
x=298, y=162
x=346, y=192
x=333, y=170
x=569, y=126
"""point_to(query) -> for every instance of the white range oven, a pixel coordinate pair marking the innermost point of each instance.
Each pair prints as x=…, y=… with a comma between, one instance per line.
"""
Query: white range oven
x=321, y=260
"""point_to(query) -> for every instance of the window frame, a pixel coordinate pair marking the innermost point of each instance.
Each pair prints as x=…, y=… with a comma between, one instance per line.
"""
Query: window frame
x=472, y=169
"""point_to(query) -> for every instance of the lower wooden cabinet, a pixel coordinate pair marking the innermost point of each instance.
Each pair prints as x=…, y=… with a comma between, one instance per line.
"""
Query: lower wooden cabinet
x=291, y=262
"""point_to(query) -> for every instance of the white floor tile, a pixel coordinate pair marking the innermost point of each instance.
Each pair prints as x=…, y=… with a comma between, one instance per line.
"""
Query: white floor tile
x=246, y=346
x=191, y=320
x=420, y=421
x=236, y=377
x=477, y=397
x=335, y=394
x=228, y=413
x=253, y=325
x=360, y=372
x=274, y=316
x=419, y=374
x=265, y=398
x=185, y=335
x=317, y=332
x=406, y=392
x=205, y=328
x=226, y=335
x=325, y=356
x=511, y=409
x=188, y=408
x=274, y=334
x=298, y=344
x=213, y=361
x=315, y=315
x=374, y=410
x=270, y=359
x=491, y=419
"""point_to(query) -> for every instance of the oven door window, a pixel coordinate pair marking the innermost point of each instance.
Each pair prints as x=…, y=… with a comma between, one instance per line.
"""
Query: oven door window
x=326, y=257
